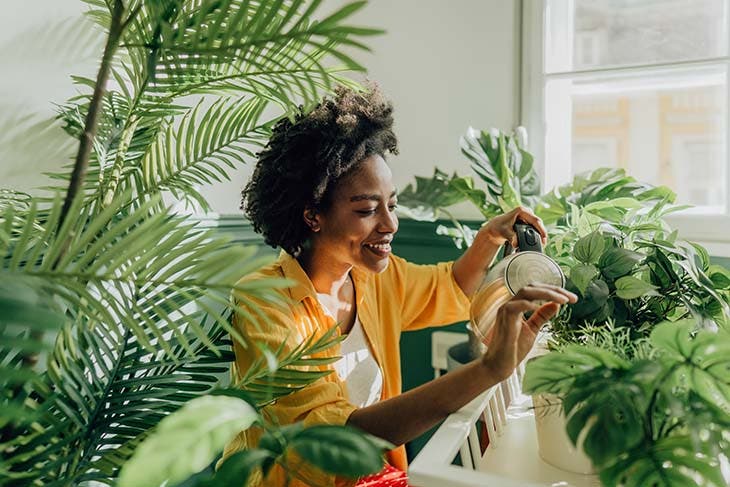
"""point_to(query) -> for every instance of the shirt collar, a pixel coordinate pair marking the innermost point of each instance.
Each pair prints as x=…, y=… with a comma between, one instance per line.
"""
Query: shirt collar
x=303, y=287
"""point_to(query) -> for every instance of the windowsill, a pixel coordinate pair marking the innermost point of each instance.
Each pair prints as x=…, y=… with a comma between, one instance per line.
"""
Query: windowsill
x=716, y=249
x=710, y=231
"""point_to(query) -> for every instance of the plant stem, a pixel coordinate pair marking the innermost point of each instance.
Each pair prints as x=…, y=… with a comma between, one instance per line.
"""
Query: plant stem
x=652, y=402
x=87, y=136
x=116, y=173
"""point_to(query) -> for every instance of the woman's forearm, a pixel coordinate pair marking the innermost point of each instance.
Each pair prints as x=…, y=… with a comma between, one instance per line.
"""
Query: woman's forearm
x=469, y=269
x=404, y=417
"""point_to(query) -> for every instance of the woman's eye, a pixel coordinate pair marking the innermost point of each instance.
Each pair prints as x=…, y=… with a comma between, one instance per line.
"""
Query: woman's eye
x=367, y=212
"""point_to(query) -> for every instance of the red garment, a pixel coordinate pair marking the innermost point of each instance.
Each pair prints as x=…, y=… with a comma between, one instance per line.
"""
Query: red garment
x=388, y=477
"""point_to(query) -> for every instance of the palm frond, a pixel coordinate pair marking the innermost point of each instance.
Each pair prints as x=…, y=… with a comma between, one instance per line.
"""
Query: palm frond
x=110, y=144
x=201, y=146
x=102, y=266
x=274, y=50
x=27, y=310
x=110, y=390
x=107, y=394
x=279, y=373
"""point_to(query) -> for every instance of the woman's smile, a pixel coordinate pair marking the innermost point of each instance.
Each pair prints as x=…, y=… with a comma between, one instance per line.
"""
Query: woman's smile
x=380, y=248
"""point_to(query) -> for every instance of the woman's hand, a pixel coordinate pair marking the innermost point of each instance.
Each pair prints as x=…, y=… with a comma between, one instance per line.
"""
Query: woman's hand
x=514, y=335
x=500, y=229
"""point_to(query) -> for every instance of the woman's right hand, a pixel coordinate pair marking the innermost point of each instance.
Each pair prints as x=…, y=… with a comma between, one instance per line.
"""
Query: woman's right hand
x=513, y=335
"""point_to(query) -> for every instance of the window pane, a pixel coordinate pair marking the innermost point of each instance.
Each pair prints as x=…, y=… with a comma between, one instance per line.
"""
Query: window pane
x=663, y=129
x=584, y=34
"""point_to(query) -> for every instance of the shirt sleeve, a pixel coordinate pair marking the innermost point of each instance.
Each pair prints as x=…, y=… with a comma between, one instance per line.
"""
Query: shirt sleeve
x=428, y=294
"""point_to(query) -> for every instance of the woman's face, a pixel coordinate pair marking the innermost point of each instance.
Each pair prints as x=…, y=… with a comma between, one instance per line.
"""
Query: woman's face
x=360, y=224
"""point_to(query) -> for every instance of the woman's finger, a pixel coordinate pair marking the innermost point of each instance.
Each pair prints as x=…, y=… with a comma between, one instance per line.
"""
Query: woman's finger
x=514, y=308
x=528, y=216
x=542, y=315
x=544, y=293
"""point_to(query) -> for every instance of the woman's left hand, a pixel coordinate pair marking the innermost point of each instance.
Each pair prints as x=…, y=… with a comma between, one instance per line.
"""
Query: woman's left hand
x=501, y=229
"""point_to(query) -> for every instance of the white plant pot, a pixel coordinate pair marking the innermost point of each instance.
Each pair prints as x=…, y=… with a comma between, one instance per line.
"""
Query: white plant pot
x=553, y=443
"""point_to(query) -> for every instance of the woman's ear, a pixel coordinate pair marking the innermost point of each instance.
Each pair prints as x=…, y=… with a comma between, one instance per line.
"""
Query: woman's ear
x=311, y=218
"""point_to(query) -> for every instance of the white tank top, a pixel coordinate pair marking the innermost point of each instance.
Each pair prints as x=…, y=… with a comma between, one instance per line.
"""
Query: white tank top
x=357, y=368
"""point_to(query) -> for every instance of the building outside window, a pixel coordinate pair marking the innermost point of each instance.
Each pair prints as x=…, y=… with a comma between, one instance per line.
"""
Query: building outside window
x=634, y=84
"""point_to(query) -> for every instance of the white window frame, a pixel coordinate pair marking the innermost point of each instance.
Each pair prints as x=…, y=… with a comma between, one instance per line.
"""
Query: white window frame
x=712, y=231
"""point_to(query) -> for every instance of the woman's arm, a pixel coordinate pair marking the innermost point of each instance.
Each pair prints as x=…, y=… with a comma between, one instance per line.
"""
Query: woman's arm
x=402, y=418
x=469, y=269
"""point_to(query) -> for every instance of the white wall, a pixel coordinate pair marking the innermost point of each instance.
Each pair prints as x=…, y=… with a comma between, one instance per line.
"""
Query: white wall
x=445, y=65
x=42, y=42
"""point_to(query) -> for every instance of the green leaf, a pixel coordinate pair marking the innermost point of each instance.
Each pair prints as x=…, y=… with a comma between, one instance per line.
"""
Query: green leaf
x=429, y=196
x=555, y=372
x=720, y=276
x=588, y=249
x=238, y=467
x=673, y=338
x=231, y=392
x=187, y=441
x=465, y=186
x=624, y=203
x=604, y=410
x=340, y=450
x=617, y=262
x=630, y=287
x=594, y=300
x=700, y=359
x=582, y=275
x=234, y=471
x=668, y=462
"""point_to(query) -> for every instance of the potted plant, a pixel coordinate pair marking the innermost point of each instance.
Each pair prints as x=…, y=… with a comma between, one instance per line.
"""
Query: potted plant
x=630, y=277
x=115, y=309
x=648, y=412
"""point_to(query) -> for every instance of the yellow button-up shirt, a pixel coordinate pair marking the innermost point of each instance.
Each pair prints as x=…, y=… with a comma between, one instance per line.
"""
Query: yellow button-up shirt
x=404, y=297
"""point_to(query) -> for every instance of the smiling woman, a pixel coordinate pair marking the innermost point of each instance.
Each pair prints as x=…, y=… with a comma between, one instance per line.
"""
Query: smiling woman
x=322, y=191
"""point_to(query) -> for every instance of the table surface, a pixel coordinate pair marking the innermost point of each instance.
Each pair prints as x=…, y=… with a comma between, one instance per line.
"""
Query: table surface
x=515, y=455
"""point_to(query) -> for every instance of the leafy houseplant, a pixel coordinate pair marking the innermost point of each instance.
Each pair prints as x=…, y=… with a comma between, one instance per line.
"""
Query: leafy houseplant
x=607, y=232
x=501, y=162
x=634, y=361
x=659, y=417
x=115, y=310
x=636, y=277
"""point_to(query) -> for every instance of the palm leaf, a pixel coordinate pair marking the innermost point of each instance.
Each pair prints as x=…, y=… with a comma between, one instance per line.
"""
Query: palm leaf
x=107, y=394
x=201, y=146
x=108, y=273
x=27, y=310
x=271, y=49
x=266, y=380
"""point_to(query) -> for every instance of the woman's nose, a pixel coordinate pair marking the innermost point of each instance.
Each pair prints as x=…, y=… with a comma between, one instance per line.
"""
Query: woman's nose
x=389, y=223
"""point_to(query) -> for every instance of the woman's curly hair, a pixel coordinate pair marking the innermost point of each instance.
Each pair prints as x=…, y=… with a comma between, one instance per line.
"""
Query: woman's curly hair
x=304, y=160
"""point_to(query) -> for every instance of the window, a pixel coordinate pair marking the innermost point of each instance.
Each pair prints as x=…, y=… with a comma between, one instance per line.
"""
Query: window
x=636, y=84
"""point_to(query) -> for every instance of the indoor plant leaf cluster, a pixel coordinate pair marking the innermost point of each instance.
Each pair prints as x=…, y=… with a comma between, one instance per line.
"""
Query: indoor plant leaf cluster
x=647, y=417
x=660, y=418
x=124, y=312
x=502, y=164
x=638, y=284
